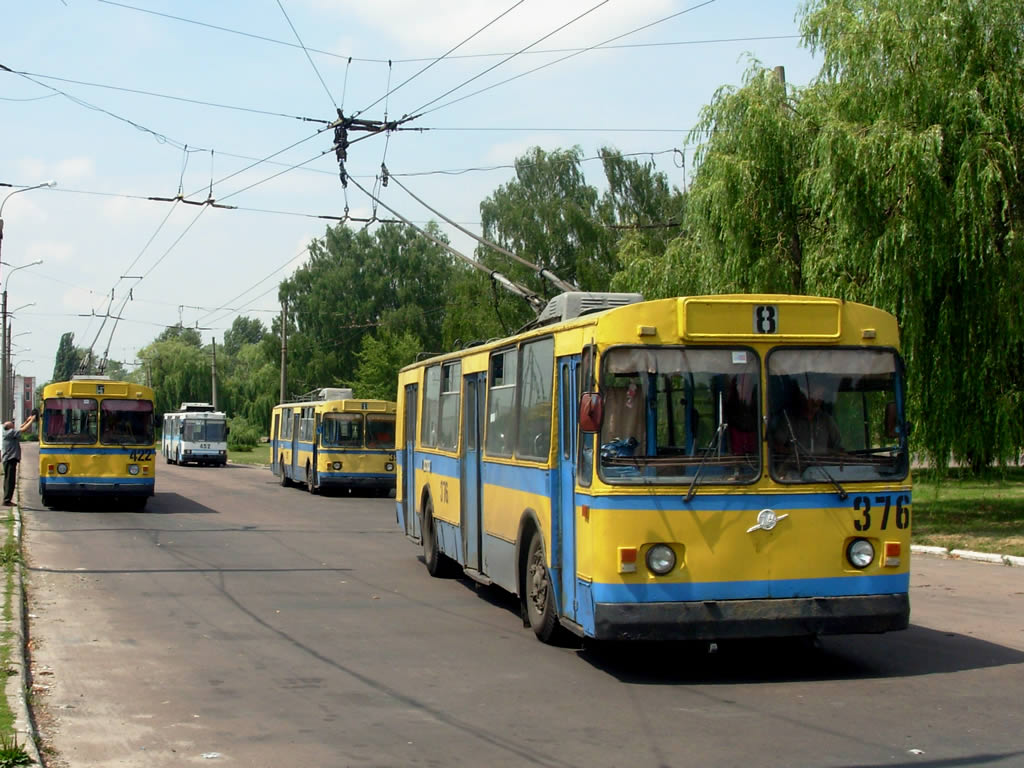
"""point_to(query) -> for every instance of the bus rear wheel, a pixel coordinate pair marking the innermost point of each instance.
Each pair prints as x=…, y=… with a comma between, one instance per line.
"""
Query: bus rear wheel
x=438, y=565
x=540, y=594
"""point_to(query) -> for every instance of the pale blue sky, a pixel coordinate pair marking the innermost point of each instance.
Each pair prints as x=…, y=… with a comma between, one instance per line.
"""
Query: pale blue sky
x=88, y=240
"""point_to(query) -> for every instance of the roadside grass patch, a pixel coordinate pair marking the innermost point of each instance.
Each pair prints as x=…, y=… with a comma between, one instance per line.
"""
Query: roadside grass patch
x=957, y=510
x=258, y=455
x=10, y=555
x=12, y=753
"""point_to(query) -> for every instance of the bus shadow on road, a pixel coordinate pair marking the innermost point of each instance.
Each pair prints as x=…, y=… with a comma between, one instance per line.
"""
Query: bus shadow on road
x=916, y=651
x=161, y=504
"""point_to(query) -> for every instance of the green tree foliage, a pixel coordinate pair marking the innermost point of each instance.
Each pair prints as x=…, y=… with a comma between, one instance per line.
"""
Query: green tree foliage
x=354, y=284
x=189, y=336
x=180, y=372
x=244, y=330
x=549, y=216
x=894, y=179
x=917, y=169
x=381, y=358
x=68, y=358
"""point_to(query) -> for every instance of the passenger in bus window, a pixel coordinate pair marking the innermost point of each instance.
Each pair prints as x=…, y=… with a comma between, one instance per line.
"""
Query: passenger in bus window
x=809, y=427
x=741, y=414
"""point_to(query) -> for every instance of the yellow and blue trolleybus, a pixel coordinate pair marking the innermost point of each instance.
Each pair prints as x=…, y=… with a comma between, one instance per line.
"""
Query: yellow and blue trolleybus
x=334, y=440
x=97, y=440
x=688, y=468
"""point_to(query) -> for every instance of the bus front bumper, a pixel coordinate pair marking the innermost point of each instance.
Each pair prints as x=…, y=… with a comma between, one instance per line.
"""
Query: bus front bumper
x=121, y=488
x=735, y=619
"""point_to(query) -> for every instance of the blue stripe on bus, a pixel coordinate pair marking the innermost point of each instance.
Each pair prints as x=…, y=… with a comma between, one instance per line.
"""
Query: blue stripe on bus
x=724, y=502
x=669, y=592
x=93, y=450
x=104, y=480
x=537, y=480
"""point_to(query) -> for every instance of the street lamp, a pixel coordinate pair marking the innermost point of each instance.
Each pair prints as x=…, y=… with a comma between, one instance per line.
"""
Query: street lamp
x=49, y=184
x=5, y=348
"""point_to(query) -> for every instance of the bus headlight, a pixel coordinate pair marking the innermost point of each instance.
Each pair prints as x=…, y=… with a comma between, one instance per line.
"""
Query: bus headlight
x=62, y=469
x=860, y=553
x=389, y=467
x=133, y=469
x=661, y=559
x=337, y=465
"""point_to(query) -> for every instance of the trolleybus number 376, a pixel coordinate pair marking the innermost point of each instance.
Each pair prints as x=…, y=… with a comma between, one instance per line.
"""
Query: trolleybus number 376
x=862, y=504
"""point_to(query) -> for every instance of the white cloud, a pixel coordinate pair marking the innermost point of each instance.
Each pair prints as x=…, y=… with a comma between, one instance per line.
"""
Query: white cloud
x=78, y=299
x=74, y=169
x=51, y=252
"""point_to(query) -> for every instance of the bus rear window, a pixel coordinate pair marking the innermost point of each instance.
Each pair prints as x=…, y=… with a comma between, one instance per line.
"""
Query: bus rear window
x=126, y=422
x=69, y=420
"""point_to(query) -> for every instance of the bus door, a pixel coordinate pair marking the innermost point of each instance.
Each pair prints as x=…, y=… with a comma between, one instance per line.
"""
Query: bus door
x=316, y=446
x=294, y=472
x=275, y=440
x=473, y=430
x=568, y=368
x=412, y=520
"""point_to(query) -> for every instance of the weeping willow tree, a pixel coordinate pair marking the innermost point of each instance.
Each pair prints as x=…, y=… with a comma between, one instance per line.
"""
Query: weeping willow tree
x=915, y=171
x=895, y=180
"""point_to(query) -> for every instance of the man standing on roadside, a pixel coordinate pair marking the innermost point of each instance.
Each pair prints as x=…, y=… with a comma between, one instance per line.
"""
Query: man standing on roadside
x=12, y=455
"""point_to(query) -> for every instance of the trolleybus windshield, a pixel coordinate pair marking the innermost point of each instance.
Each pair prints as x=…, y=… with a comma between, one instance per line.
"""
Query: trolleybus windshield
x=342, y=430
x=836, y=415
x=69, y=420
x=671, y=412
x=204, y=430
x=126, y=422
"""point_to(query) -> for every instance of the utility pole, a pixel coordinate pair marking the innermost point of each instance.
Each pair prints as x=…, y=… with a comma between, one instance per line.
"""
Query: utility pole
x=8, y=375
x=284, y=350
x=215, y=373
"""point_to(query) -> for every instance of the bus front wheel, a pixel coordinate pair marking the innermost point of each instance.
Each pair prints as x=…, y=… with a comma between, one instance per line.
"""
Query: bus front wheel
x=310, y=486
x=540, y=594
x=283, y=478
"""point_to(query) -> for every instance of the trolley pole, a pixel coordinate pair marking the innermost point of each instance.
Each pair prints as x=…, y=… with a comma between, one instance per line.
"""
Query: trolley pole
x=215, y=373
x=284, y=350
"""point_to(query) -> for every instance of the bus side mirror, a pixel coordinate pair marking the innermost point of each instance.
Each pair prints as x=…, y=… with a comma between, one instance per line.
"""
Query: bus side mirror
x=591, y=411
x=227, y=431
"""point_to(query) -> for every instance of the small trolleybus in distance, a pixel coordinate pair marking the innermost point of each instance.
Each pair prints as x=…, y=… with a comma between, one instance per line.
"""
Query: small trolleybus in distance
x=196, y=433
x=697, y=468
x=333, y=440
x=97, y=440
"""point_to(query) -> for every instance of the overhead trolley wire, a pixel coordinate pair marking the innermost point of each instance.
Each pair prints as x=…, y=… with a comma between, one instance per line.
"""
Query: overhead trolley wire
x=442, y=56
x=544, y=273
x=533, y=299
x=308, y=57
x=420, y=112
x=184, y=99
x=418, y=59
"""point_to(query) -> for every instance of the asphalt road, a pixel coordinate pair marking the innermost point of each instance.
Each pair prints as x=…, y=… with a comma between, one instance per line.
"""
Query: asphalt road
x=236, y=622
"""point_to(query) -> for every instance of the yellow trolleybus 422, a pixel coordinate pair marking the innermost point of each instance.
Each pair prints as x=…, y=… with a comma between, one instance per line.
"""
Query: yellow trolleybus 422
x=332, y=440
x=97, y=440
x=689, y=468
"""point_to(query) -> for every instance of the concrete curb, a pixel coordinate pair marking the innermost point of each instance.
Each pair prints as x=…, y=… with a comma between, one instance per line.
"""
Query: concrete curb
x=966, y=554
x=17, y=687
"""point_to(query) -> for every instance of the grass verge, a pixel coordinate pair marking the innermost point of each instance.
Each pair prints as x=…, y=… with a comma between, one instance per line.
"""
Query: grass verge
x=11, y=752
x=258, y=455
x=956, y=510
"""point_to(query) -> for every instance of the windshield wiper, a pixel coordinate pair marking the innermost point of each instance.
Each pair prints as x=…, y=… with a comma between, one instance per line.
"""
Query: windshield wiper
x=704, y=457
x=812, y=459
